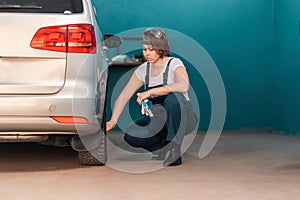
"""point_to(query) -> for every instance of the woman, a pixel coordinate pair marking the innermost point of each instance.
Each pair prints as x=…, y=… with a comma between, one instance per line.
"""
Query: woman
x=166, y=85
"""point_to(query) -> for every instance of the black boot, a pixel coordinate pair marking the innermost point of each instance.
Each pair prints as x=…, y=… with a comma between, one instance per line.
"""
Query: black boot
x=174, y=157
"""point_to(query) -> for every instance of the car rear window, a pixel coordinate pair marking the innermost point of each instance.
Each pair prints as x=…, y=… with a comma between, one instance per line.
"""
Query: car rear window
x=41, y=6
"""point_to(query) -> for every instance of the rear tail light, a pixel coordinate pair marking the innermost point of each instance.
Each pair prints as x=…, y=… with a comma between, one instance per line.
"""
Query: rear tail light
x=73, y=38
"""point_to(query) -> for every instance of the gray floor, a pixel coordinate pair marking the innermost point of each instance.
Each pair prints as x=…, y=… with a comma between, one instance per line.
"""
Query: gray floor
x=243, y=165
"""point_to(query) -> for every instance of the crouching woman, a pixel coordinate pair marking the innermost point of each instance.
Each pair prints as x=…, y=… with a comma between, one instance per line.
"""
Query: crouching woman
x=166, y=84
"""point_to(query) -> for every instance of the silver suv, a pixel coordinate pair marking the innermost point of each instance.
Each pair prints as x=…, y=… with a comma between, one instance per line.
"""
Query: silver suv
x=53, y=76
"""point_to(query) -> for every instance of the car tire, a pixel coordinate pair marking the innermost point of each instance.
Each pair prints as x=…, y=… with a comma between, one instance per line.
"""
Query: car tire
x=98, y=156
x=95, y=157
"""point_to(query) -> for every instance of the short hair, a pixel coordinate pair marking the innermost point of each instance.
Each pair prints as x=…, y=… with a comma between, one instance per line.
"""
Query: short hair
x=158, y=40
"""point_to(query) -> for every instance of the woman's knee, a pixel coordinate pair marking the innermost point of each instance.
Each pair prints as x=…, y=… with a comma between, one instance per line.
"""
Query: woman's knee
x=173, y=100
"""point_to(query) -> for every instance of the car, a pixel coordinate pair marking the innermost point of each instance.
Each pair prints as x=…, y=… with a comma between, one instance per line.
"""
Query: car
x=53, y=79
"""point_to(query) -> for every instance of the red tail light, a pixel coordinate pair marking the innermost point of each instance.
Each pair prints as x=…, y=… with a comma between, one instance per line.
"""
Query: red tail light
x=73, y=38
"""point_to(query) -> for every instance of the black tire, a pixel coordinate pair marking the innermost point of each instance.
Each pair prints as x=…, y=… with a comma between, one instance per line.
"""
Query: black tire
x=97, y=156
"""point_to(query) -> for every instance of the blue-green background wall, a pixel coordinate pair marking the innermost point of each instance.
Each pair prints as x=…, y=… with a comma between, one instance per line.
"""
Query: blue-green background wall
x=288, y=66
x=254, y=44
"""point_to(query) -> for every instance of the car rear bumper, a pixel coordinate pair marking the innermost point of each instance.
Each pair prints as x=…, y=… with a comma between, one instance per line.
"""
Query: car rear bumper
x=42, y=125
x=34, y=115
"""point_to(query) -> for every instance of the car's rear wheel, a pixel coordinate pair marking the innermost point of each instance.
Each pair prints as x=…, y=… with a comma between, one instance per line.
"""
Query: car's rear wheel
x=98, y=155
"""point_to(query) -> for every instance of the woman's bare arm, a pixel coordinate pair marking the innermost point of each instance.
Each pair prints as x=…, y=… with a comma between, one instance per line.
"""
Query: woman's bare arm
x=130, y=89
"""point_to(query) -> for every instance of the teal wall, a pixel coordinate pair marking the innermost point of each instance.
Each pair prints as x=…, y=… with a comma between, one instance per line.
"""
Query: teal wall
x=288, y=65
x=240, y=37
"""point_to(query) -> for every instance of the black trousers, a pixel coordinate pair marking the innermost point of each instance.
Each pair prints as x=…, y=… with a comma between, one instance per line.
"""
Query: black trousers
x=173, y=119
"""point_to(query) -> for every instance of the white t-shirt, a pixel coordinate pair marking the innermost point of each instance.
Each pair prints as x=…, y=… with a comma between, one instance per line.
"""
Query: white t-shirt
x=158, y=80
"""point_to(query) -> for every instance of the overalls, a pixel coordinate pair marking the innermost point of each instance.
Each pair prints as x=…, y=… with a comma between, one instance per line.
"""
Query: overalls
x=173, y=119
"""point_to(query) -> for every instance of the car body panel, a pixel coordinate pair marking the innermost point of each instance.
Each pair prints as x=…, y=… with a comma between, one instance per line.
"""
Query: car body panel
x=36, y=85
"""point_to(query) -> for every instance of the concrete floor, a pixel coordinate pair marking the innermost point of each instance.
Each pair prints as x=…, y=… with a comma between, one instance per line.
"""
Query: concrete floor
x=243, y=165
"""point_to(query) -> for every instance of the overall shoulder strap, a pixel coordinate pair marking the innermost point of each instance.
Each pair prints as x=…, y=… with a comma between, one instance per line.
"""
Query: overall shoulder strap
x=147, y=76
x=165, y=75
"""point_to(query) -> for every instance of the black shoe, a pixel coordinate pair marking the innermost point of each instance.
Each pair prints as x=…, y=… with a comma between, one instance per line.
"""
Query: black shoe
x=176, y=162
x=174, y=157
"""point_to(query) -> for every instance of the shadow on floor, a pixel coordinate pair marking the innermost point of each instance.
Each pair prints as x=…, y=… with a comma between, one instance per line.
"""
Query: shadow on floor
x=16, y=157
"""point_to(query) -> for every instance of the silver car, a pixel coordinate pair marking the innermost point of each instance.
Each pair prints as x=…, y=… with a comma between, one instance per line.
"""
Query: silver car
x=53, y=78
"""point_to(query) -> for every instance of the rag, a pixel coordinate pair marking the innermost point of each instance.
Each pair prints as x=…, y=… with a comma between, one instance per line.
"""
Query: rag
x=146, y=107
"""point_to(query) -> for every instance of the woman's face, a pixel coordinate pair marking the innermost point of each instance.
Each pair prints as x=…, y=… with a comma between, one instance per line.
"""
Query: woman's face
x=150, y=54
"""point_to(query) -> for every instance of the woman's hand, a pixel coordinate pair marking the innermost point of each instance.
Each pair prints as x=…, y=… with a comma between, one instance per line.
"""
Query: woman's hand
x=110, y=125
x=143, y=95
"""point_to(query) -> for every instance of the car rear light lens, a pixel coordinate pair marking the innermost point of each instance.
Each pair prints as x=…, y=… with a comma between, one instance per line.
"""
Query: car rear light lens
x=73, y=38
x=70, y=120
